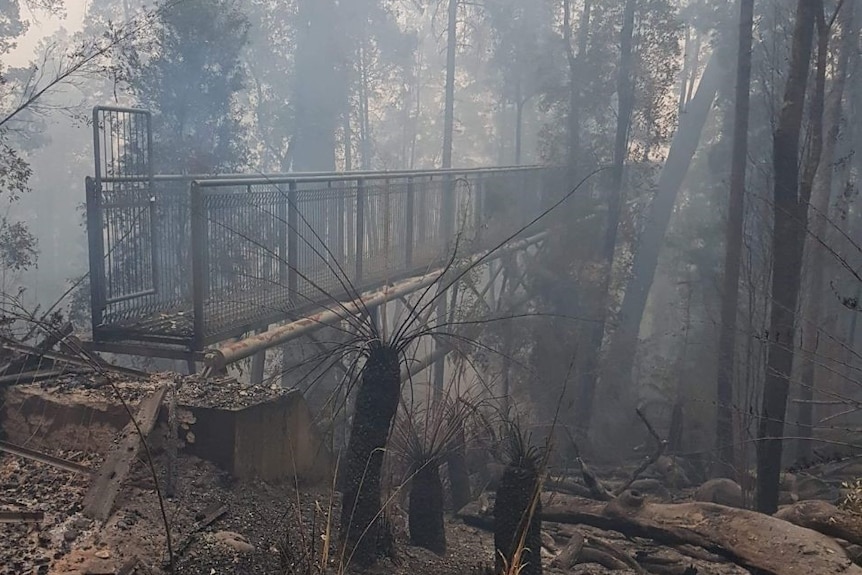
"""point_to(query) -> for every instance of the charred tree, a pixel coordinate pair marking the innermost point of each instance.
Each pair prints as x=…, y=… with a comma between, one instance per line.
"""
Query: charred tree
x=619, y=359
x=363, y=532
x=733, y=244
x=625, y=107
x=575, y=63
x=789, y=212
x=814, y=259
x=449, y=104
x=425, y=518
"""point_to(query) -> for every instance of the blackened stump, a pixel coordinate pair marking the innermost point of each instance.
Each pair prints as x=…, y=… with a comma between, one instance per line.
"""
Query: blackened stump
x=459, y=476
x=362, y=531
x=426, y=509
x=512, y=517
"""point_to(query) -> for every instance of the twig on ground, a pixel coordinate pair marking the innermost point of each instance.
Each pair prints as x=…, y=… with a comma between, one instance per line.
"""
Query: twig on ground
x=662, y=445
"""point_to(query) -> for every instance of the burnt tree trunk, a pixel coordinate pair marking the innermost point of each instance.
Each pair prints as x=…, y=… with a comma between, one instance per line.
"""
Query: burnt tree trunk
x=575, y=63
x=733, y=245
x=362, y=530
x=459, y=475
x=787, y=259
x=815, y=256
x=449, y=103
x=626, y=101
x=619, y=359
x=425, y=516
x=514, y=521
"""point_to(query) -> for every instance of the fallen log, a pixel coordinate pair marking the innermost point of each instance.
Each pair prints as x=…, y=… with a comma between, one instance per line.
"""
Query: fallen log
x=593, y=555
x=570, y=553
x=34, y=455
x=100, y=498
x=825, y=518
x=30, y=376
x=33, y=357
x=749, y=539
x=613, y=551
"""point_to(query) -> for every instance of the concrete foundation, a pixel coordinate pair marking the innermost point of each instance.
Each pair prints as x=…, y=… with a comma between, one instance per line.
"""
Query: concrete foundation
x=274, y=440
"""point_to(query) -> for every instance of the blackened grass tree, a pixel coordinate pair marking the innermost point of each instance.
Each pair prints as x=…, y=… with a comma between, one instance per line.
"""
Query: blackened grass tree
x=518, y=505
x=425, y=436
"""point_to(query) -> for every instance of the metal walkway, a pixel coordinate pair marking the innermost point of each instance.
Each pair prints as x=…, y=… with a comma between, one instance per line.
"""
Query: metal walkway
x=180, y=263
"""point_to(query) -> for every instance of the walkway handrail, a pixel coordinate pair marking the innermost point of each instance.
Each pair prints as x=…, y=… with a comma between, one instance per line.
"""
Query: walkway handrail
x=310, y=177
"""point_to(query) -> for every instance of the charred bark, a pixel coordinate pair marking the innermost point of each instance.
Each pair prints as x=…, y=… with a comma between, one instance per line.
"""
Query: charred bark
x=425, y=518
x=459, y=475
x=449, y=104
x=626, y=100
x=787, y=238
x=362, y=530
x=619, y=359
x=818, y=225
x=517, y=521
x=575, y=67
x=733, y=244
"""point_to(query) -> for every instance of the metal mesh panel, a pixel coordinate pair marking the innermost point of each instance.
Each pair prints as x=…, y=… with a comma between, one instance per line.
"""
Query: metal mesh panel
x=145, y=233
x=427, y=206
x=385, y=230
x=325, y=236
x=245, y=258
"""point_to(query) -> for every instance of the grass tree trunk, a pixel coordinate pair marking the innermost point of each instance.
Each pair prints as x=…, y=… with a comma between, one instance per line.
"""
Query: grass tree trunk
x=733, y=244
x=425, y=519
x=625, y=107
x=815, y=256
x=459, y=475
x=517, y=522
x=787, y=256
x=362, y=530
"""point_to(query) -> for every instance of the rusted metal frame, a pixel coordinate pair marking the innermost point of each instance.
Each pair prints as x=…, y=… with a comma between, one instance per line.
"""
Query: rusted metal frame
x=34, y=455
x=217, y=359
